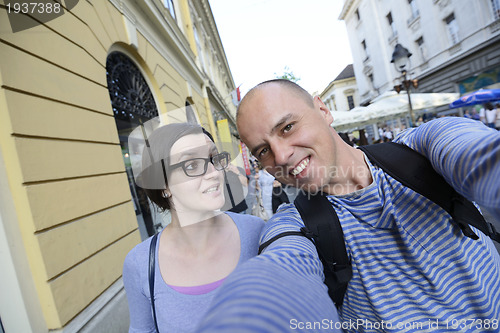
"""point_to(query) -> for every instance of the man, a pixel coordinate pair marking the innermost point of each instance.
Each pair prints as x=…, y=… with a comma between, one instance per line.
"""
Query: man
x=488, y=115
x=235, y=190
x=413, y=269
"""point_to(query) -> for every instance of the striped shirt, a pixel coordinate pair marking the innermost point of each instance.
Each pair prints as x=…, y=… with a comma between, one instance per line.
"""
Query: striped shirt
x=413, y=270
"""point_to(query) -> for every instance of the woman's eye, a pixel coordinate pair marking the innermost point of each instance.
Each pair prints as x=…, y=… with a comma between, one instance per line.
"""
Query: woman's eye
x=191, y=165
x=287, y=128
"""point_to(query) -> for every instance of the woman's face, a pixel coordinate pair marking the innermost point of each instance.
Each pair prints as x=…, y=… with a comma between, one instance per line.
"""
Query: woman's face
x=199, y=193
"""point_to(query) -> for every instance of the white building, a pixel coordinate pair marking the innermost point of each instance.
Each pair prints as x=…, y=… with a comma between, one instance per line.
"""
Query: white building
x=455, y=44
x=342, y=93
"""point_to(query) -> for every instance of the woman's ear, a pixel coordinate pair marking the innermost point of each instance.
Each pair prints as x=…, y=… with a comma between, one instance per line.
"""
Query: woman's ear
x=166, y=194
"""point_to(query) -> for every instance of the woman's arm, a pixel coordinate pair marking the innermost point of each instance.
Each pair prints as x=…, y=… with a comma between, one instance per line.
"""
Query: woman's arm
x=141, y=319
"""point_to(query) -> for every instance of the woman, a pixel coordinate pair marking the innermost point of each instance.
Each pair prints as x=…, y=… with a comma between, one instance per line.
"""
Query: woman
x=183, y=172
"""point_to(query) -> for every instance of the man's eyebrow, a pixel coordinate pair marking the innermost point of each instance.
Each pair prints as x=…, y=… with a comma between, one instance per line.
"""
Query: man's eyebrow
x=275, y=128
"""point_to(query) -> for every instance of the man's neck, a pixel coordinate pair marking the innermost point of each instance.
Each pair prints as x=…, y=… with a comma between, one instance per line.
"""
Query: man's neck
x=352, y=173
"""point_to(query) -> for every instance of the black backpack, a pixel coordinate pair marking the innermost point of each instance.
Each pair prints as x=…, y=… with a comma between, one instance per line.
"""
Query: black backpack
x=411, y=169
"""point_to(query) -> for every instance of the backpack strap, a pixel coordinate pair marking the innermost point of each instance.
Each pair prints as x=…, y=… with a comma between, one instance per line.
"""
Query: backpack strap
x=323, y=224
x=302, y=232
x=151, y=275
x=322, y=227
x=415, y=171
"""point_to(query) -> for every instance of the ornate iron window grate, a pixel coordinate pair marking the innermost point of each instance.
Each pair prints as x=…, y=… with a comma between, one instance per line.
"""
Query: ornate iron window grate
x=130, y=95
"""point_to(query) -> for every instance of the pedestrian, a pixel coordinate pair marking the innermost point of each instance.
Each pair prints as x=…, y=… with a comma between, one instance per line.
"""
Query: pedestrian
x=266, y=187
x=387, y=135
x=475, y=115
x=235, y=190
x=488, y=115
x=410, y=262
x=258, y=208
x=183, y=172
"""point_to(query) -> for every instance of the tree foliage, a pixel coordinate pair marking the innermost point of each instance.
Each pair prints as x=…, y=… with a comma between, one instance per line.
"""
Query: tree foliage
x=287, y=75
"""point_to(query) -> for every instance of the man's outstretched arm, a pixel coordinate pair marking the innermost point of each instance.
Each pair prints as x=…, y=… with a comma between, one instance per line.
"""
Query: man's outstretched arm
x=466, y=153
x=278, y=291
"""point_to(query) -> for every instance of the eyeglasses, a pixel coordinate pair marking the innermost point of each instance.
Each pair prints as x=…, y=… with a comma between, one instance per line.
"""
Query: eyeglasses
x=196, y=167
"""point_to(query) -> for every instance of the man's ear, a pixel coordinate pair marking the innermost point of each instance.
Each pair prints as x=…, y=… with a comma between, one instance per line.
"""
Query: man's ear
x=325, y=112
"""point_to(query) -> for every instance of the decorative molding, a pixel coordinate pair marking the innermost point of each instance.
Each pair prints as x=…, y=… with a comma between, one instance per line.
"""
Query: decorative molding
x=131, y=30
x=455, y=49
x=393, y=39
x=367, y=70
x=494, y=26
x=345, y=9
x=442, y=3
x=414, y=23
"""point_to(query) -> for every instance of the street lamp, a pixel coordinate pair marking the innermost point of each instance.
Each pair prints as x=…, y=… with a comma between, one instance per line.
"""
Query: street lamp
x=401, y=60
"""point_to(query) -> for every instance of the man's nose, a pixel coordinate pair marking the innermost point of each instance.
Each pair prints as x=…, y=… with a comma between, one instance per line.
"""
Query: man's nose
x=282, y=152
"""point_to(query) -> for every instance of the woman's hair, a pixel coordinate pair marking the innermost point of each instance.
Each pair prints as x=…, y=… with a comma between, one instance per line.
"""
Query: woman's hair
x=156, y=159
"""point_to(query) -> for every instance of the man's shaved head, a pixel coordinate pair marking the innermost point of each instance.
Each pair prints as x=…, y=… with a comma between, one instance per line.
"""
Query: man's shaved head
x=293, y=88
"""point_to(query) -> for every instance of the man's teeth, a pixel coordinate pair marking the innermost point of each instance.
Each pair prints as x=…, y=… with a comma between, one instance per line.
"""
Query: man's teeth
x=212, y=189
x=300, y=167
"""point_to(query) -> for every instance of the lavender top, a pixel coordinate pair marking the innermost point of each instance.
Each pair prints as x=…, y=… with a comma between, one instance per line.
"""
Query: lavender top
x=176, y=311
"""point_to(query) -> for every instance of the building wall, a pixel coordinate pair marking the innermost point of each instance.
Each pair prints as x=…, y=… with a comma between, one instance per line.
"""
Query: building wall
x=335, y=95
x=450, y=75
x=67, y=213
x=476, y=23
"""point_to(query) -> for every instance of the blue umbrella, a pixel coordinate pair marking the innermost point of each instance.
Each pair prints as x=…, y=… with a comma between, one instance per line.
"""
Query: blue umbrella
x=478, y=97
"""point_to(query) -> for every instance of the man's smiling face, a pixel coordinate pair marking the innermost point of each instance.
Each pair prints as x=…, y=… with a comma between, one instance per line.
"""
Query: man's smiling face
x=289, y=134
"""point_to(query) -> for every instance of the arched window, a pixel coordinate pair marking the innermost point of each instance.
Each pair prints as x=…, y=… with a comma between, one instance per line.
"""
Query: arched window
x=132, y=103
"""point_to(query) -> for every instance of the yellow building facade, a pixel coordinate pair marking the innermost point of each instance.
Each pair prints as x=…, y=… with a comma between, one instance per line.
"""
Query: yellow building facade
x=68, y=215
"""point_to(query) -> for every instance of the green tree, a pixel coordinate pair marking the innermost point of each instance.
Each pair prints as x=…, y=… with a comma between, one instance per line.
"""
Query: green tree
x=287, y=75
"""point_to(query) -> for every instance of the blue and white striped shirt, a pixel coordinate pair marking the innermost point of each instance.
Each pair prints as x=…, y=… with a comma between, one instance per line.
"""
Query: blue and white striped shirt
x=413, y=270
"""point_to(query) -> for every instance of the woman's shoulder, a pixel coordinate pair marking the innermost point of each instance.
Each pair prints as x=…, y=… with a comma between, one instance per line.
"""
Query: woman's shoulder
x=245, y=218
x=247, y=221
x=139, y=255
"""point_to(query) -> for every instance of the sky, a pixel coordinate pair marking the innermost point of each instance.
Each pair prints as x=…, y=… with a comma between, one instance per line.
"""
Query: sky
x=263, y=37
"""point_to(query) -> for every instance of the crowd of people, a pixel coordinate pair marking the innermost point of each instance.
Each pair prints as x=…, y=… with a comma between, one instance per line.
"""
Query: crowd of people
x=413, y=269
x=488, y=114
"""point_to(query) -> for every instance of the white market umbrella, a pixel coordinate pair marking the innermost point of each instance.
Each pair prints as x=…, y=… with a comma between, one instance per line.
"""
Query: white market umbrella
x=350, y=120
x=389, y=105
x=392, y=104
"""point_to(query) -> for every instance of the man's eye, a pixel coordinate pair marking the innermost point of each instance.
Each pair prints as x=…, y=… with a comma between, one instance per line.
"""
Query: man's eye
x=263, y=152
x=287, y=128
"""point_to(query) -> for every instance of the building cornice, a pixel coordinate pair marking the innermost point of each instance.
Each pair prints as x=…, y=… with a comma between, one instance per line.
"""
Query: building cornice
x=346, y=8
x=208, y=18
